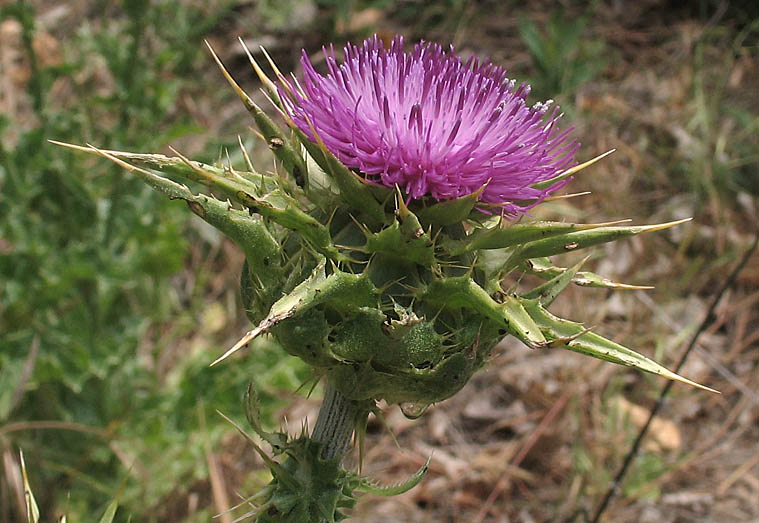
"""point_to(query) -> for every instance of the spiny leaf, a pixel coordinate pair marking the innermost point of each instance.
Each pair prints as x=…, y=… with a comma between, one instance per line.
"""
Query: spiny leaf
x=249, y=232
x=405, y=238
x=569, y=172
x=274, y=68
x=168, y=187
x=183, y=168
x=271, y=87
x=279, y=207
x=597, y=346
x=462, y=291
x=277, y=470
x=370, y=487
x=321, y=190
x=589, y=279
x=499, y=237
x=548, y=292
x=521, y=324
x=276, y=140
x=253, y=414
x=579, y=240
x=227, y=184
x=343, y=291
x=391, y=240
x=543, y=268
x=286, y=211
x=276, y=205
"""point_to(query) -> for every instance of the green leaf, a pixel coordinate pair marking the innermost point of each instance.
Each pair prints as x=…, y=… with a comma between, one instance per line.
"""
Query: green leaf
x=275, y=205
x=590, y=279
x=591, y=344
x=286, y=211
x=354, y=191
x=253, y=414
x=277, y=470
x=520, y=324
x=226, y=180
x=404, y=238
x=392, y=240
x=163, y=185
x=321, y=191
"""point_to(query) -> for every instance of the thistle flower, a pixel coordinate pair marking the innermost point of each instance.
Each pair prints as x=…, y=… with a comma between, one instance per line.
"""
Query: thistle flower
x=385, y=299
x=431, y=123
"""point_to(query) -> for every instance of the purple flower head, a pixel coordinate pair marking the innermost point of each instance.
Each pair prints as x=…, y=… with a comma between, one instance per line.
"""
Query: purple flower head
x=432, y=124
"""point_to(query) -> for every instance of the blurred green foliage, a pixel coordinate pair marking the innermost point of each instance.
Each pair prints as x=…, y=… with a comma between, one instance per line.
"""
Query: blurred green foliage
x=85, y=258
x=717, y=146
x=563, y=55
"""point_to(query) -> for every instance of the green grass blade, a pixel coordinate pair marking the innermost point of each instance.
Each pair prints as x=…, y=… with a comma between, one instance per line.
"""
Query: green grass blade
x=110, y=512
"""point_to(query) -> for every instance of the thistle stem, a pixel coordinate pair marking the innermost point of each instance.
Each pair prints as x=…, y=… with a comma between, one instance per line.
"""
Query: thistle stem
x=335, y=424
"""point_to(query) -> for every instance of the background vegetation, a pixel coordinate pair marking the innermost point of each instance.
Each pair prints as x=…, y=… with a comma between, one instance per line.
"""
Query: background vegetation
x=113, y=301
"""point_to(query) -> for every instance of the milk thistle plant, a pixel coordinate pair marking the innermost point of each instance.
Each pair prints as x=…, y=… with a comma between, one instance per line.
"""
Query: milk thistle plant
x=377, y=252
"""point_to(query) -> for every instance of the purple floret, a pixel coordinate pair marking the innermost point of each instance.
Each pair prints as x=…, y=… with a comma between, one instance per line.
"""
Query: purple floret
x=432, y=124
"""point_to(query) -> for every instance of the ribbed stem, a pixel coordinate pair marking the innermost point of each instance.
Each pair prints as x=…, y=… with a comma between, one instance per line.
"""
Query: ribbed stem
x=335, y=424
